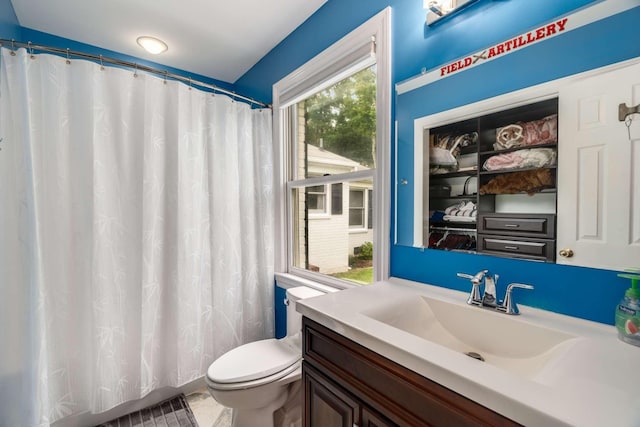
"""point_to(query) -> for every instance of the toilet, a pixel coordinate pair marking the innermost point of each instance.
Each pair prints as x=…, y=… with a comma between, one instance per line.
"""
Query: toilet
x=257, y=378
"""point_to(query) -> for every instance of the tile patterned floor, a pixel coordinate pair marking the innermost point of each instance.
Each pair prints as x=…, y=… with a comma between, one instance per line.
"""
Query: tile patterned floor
x=207, y=411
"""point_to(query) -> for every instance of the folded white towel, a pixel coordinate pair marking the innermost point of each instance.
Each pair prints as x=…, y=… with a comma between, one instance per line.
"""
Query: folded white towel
x=462, y=209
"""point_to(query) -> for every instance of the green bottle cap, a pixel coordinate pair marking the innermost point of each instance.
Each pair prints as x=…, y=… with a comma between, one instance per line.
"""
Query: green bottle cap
x=633, y=292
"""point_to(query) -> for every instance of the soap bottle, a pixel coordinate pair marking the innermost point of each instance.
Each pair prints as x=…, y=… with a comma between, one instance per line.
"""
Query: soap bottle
x=628, y=312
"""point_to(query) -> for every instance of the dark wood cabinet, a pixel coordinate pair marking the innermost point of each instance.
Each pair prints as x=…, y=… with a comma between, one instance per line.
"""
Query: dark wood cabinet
x=541, y=226
x=347, y=384
x=326, y=404
x=526, y=236
x=372, y=419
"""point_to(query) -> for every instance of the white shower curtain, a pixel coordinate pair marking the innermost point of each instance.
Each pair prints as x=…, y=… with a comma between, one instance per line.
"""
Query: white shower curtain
x=136, y=237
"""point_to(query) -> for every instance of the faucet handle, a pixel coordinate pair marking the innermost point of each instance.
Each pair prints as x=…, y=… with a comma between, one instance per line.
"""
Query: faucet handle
x=509, y=306
x=474, y=296
x=476, y=277
x=519, y=285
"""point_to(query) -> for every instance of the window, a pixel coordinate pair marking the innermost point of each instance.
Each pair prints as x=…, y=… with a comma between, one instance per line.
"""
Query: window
x=332, y=132
x=316, y=199
x=356, y=208
x=336, y=199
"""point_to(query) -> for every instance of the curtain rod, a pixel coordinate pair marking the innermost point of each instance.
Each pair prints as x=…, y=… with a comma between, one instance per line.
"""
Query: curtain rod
x=12, y=44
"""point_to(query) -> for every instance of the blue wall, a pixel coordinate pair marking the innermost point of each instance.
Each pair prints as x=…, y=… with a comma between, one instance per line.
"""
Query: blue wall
x=281, y=312
x=415, y=45
x=582, y=292
x=9, y=28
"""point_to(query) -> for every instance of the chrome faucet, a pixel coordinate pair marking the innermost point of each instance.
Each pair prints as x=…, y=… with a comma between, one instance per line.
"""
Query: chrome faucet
x=489, y=298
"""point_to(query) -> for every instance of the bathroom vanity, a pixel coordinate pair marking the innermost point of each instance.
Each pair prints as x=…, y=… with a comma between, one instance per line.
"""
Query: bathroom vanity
x=347, y=384
x=397, y=353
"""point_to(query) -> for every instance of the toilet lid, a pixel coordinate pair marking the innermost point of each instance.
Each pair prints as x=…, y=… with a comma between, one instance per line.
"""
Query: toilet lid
x=252, y=361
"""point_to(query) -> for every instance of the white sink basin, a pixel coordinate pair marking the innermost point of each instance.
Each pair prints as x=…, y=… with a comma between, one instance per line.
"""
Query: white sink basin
x=501, y=340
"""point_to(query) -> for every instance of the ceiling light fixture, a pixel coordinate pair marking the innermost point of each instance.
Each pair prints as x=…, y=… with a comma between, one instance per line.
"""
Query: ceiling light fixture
x=152, y=44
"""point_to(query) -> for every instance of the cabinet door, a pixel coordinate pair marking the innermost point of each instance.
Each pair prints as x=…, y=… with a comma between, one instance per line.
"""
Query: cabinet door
x=599, y=172
x=326, y=405
x=370, y=418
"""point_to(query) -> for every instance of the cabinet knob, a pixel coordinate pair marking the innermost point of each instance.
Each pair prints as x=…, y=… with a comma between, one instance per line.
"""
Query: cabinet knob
x=567, y=253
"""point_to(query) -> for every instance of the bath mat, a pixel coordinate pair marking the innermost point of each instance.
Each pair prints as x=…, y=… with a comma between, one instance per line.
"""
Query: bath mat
x=174, y=412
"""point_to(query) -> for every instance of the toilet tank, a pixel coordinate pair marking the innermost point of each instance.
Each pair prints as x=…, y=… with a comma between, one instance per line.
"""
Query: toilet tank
x=294, y=319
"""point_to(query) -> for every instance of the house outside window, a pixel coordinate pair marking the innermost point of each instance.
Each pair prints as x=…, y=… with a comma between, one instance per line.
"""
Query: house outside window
x=360, y=208
x=331, y=125
x=356, y=208
x=316, y=199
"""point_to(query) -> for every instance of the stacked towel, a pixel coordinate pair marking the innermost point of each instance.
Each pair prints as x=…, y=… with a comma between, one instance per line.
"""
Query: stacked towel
x=464, y=211
x=526, y=158
x=543, y=131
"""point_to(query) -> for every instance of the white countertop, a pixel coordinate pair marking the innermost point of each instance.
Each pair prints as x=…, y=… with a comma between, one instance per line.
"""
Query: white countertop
x=595, y=383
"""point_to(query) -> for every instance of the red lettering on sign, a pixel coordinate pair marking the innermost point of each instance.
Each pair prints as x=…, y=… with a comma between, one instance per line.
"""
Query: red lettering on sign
x=551, y=29
x=530, y=38
x=507, y=46
x=562, y=23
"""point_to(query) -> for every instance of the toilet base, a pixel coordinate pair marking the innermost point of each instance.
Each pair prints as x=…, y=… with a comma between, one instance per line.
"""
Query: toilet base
x=263, y=417
x=290, y=414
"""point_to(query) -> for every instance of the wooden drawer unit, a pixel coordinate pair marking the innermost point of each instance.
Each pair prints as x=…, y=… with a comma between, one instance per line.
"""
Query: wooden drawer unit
x=346, y=383
x=517, y=247
x=528, y=225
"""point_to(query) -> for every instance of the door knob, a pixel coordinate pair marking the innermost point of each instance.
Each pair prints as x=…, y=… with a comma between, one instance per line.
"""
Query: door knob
x=567, y=253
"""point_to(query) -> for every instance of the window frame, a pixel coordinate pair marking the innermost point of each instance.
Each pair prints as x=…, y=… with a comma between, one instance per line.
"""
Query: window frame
x=326, y=196
x=366, y=45
x=363, y=209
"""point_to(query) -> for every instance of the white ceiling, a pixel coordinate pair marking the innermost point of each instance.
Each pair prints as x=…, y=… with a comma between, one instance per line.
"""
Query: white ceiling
x=221, y=39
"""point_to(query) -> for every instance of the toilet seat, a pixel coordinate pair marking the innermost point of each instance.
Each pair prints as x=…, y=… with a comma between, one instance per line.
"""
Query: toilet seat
x=254, y=364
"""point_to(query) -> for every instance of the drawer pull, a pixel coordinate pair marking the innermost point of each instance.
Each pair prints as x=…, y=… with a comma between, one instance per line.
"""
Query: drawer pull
x=512, y=225
x=512, y=248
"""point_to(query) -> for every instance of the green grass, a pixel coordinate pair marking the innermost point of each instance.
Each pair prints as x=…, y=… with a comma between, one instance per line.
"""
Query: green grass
x=362, y=276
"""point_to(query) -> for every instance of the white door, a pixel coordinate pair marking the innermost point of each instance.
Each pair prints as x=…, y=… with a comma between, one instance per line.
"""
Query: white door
x=599, y=172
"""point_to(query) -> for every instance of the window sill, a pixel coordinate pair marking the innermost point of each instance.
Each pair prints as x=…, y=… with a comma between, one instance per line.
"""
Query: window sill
x=288, y=280
x=359, y=230
x=319, y=216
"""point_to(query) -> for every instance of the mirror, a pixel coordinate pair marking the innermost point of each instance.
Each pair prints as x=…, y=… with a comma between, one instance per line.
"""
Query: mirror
x=439, y=9
x=529, y=174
